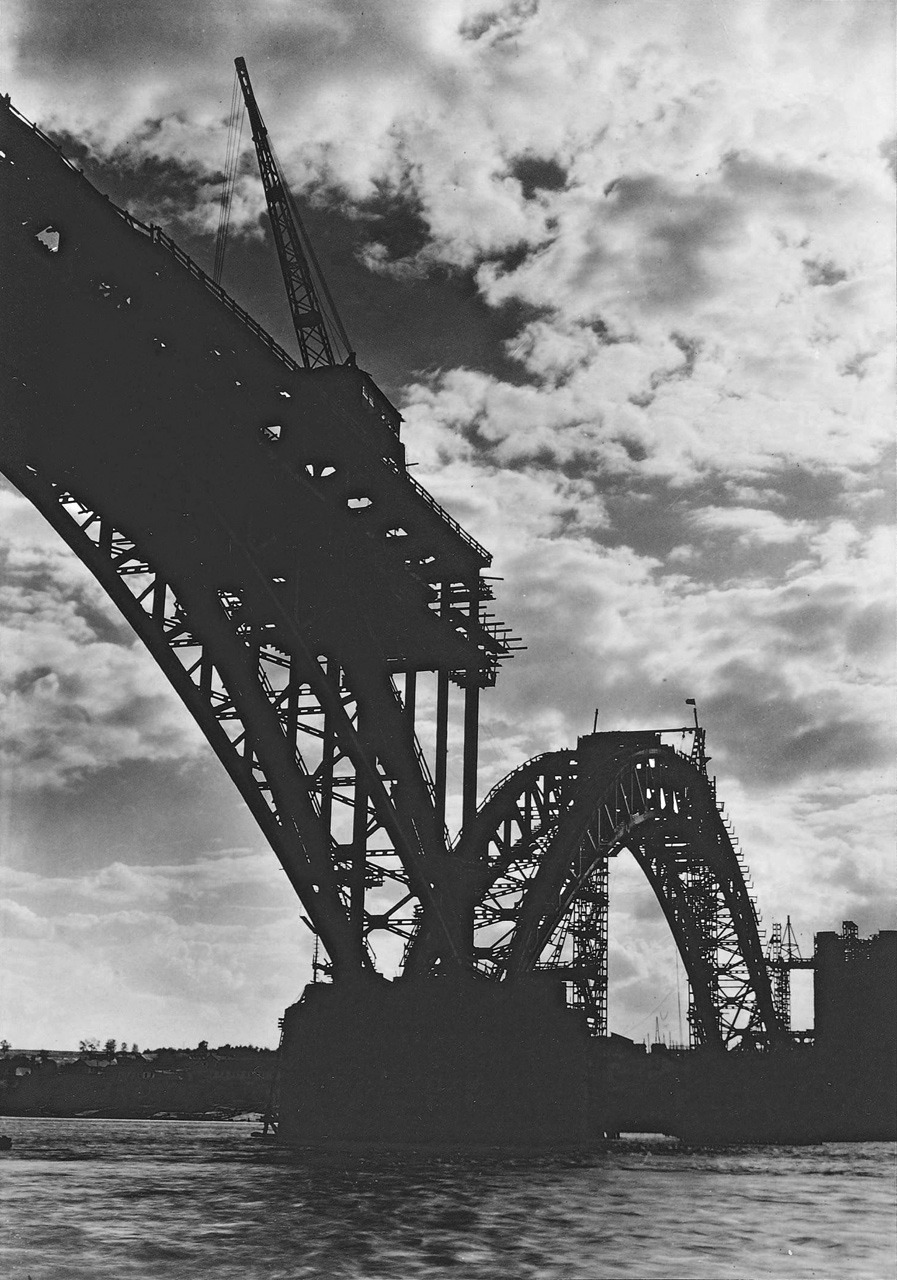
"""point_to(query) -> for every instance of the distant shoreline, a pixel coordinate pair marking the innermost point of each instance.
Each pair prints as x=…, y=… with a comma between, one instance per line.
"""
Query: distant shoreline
x=239, y=1117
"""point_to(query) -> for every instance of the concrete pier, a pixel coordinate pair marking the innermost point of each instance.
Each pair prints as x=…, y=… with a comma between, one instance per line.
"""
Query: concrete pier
x=453, y=1061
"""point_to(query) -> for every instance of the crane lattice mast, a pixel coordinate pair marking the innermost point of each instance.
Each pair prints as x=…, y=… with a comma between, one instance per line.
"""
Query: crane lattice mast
x=316, y=334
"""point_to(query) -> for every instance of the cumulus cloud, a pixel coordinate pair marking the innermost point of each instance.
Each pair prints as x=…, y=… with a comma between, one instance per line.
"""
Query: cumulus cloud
x=789, y=652
x=153, y=954
x=19, y=922
x=751, y=524
x=77, y=690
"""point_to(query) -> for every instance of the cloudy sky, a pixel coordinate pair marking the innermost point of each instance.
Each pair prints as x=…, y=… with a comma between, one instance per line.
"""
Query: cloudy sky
x=628, y=270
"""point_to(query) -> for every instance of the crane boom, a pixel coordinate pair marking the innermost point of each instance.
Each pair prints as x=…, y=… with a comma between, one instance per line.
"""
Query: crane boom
x=297, y=259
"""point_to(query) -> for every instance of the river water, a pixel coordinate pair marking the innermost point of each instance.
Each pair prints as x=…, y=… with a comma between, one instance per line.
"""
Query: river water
x=173, y=1199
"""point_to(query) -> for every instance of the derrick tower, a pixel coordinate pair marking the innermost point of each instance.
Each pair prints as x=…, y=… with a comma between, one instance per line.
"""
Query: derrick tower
x=252, y=517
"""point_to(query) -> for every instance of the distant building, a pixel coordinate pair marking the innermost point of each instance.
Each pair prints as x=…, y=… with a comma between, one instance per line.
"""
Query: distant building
x=855, y=990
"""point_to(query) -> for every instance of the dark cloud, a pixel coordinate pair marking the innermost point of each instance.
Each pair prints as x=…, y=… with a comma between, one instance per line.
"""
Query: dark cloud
x=807, y=492
x=535, y=173
x=823, y=273
x=798, y=186
x=690, y=348
x=118, y=812
x=290, y=50
x=870, y=634
x=154, y=38
x=857, y=365
x=808, y=623
x=501, y=23
x=71, y=38
x=858, y=892
x=161, y=189
x=510, y=259
x=27, y=679
x=401, y=327
x=396, y=221
x=678, y=229
x=104, y=624
x=771, y=736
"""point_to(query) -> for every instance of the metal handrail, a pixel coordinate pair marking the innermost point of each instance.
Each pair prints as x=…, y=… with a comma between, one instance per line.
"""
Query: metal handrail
x=440, y=511
x=157, y=236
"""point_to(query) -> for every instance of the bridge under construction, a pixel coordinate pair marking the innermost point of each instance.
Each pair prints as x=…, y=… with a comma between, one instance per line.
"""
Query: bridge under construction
x=251, y=515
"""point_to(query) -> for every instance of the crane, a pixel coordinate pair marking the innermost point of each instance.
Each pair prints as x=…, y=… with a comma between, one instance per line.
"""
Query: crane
x=783, y=955
x=319, y=330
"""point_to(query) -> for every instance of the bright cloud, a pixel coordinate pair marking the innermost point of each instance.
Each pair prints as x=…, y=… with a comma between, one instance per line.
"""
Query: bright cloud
x=150, y=953
x=77, y=690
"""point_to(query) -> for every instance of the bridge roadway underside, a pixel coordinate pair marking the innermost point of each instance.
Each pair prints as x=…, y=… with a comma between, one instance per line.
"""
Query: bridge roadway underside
x=127, y=380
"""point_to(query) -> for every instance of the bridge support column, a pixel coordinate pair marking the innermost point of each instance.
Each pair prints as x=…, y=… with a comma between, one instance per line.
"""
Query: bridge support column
x=410, y=700
x=359, y=855
x=471, y=753
x=440, y=772
x=435, y=1062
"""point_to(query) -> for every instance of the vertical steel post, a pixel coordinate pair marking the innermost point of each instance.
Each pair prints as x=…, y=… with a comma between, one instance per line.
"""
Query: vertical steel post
x=159, y=592
x=471, y=725
x=328, y=751
x=252, y=661
x=471, y=753
x=440, y=764
x=410, y=699
x=292, y=708
x=440, y=770
x=205, y=675
x=359, y=847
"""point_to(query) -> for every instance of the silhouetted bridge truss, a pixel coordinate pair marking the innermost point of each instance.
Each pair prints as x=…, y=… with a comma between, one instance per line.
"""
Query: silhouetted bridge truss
x=313, y=607
x=549, y=831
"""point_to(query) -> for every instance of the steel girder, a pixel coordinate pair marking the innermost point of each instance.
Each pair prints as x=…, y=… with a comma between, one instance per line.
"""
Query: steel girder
x=543, y=839
x=295, y=761
x=256, y=526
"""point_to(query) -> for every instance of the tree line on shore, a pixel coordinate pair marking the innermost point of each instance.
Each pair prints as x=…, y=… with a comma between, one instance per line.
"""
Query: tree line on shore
x=110, y=1047
x=109, y=1079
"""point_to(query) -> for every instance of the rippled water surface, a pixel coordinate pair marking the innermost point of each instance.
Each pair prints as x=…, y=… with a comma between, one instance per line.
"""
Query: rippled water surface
x=112, y=1198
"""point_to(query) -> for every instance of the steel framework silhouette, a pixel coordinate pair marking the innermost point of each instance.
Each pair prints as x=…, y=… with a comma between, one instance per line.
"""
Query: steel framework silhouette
x=255, y=523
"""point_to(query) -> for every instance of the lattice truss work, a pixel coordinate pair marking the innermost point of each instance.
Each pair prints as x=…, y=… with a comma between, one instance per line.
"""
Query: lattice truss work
x=546, y=835
x=258, y=707
x=780, y=975
x=255, y=523
x=782, y=956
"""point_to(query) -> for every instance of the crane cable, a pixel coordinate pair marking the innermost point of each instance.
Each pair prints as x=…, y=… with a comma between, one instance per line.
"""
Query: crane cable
x=231, y=161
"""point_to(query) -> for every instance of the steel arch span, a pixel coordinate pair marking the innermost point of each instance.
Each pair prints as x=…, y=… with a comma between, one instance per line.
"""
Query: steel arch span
x=543, y=839
x=256, y=524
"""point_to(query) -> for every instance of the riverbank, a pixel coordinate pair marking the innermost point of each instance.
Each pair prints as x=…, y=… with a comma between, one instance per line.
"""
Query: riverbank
x=197, y=1083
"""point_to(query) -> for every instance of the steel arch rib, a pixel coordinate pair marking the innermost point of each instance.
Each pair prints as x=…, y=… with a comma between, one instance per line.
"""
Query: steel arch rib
x=260, y=759
x=289, y=824
x=662, y=807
